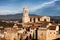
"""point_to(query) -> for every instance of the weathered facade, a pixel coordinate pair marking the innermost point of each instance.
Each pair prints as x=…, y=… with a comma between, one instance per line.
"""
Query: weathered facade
x=45, y=31
x=31, y=20
x=33, y=28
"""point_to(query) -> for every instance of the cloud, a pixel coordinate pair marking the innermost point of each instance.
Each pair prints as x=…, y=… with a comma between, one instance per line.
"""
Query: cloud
x=7, y=11
x=4, y=10
x=43, y=5
x=12, y=5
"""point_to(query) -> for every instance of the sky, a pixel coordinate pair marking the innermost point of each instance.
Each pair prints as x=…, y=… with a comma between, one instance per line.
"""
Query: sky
x=37, y=6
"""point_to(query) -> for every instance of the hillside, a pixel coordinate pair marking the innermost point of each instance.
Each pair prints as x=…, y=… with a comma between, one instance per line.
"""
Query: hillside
x=17, y=16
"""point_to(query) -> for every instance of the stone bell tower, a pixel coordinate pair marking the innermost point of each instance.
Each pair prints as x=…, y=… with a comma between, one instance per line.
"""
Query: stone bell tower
x=25, y=17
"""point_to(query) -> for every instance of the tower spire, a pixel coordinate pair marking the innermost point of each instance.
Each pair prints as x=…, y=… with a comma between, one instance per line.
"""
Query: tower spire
x=25, y=15
x=25, y=11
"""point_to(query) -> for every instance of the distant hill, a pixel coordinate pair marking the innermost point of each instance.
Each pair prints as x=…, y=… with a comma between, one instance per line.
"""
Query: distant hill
x=55, y=18
x=16, y=16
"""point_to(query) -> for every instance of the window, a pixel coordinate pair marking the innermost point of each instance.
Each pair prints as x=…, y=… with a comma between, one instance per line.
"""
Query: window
x=38, y=19
x=38, y=26
x=34, y=19
x=45, y=20
x=30, y=20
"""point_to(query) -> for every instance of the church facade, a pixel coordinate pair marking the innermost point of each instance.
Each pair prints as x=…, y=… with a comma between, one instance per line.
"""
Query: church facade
x=33, y=19
x=26, y=18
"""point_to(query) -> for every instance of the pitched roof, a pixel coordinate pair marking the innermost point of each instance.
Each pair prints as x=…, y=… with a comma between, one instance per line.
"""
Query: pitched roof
x=35, y=16
x=52, y=27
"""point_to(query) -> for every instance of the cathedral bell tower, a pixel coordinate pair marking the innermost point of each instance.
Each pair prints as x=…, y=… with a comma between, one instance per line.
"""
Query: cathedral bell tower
x=25, y=18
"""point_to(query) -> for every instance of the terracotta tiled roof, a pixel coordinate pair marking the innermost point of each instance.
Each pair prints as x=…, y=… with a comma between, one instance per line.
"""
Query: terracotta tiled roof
x=37, y=24
x=52, y=27
x=34, y=26
x=28, y=23
x=54, y=24
x=35, y=16
x=43, y=29
x=42, y=23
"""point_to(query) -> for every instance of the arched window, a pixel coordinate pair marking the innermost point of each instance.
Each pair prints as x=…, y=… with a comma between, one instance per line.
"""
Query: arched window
x=45, y=20
x=34, y=19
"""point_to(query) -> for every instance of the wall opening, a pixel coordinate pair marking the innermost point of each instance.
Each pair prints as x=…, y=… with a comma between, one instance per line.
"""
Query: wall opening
x=34, y=20
x=45, y=20
x=38, y=19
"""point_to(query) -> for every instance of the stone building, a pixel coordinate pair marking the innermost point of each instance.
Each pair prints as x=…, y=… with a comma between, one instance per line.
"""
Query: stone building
x=45, y=29
x=33, y=28
x=49, y=33
x=32, y=20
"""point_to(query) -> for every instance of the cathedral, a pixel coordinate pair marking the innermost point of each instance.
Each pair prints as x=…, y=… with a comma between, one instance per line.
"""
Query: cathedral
x=33, y=20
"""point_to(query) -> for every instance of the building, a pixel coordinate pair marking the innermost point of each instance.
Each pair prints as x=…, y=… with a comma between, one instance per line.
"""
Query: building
x=45, y=29
x=32, y=20
x=33, y=28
